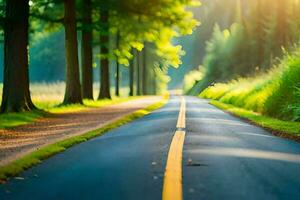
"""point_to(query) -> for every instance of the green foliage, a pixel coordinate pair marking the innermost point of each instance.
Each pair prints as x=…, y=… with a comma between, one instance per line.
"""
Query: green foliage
x=221, y=62
x=192, y=78
x=47, y=58
x=282, y=128
x=155, y=22
x=286, y=98
x=275, y=93
x=262, y=32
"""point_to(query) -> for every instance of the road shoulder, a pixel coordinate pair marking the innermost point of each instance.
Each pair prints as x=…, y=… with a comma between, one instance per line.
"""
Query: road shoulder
x=138, y=108
x=280, y=128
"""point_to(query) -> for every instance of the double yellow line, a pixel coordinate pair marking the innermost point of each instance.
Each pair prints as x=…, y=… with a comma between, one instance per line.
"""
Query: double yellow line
x=172, y=188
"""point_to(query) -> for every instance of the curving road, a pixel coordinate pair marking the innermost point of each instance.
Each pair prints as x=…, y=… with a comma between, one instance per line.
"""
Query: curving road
x=223, y=158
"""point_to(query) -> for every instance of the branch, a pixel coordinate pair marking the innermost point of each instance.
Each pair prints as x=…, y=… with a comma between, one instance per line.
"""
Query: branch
x=47, y=18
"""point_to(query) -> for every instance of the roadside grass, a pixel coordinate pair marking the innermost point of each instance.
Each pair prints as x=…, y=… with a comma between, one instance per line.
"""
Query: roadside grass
x=17, y=119
x=43, y=153
x=287, y=129
x=11, y=120
x=275, y=93
x=48, y=97
x=58, y=108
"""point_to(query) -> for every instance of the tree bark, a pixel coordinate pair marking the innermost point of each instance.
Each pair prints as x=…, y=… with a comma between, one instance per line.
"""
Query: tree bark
x=16, y=94
x=138, y=80
x=73, y=89
x=260, y=34
x=117, y=92
x=283, y=36
x=87, y=51
x=104, y=62
x=154, y=82
x=131, y=78
x=144, y=74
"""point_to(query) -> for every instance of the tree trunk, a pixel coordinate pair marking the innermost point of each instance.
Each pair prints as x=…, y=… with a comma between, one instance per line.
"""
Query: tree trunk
x=16, y=94
x=144, y=74
x=87, y=51
x=73, y=90
x=283, y=36
x=117, y=92
x=138, y=80
x=131, y=78
x=154, y=82
x=260, y=34
x=104, y=42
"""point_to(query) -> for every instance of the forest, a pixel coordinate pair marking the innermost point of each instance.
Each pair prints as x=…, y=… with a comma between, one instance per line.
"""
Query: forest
x=68, y=39
x=251, y=59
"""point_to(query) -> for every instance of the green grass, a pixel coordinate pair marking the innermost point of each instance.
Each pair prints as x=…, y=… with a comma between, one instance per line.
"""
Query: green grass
x=275, y=93
x=36, y=157
x=86, y=104
x=11, y=120
x=275, y=125
x=48, y=97
x=16, y=119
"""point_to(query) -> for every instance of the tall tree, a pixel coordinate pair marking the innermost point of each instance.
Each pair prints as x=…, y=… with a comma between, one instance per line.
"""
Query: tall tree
x=117, y=92
x=131, y=77
x=104, y=62
x=259, y=30
x=144, y=72
x=283, y=32
x=16, y=94
x=138, y=73
x=87, y=50
x=73, y=89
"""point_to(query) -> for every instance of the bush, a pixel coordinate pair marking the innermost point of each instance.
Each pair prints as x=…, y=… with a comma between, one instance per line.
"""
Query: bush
x=275, y=93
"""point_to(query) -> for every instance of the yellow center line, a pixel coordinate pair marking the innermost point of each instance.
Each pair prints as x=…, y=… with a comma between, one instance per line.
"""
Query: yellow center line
x=181, y=117
x=172, y=188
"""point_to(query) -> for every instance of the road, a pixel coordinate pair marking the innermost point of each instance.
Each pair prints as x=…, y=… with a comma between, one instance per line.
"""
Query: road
x=222, y=156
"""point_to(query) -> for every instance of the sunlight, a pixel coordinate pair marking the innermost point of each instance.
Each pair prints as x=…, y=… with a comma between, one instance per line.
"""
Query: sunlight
x=255, y=134
x=213, y=138
x=222, y=122
x=208, y=111
x=249, y=153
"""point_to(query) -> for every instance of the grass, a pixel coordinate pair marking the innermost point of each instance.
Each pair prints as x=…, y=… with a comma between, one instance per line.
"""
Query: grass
x=278, y=127
x=87, y=104
x=275, y=94
x=48, y=98
x=11, y=120
x=36, y=157
x=16, y=119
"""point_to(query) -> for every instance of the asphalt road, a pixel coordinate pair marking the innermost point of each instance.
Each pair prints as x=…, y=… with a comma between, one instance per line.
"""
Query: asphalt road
x=223, y=158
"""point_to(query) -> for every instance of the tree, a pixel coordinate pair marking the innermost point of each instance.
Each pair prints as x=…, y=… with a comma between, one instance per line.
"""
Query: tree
x=16, y=94
x=138, y=73
x=259, y=31
x=73, y=91
x=283, y=32
x=87, y=50
x=131, y=77
x=144, y=72
x=143, y=21
x=117, y=92
x=104, y=62
x=63, y=12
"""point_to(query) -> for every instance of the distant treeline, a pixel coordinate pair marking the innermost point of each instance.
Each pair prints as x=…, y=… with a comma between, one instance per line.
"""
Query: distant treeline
x=259, y=35
x=141, y=33
x=47, y=61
